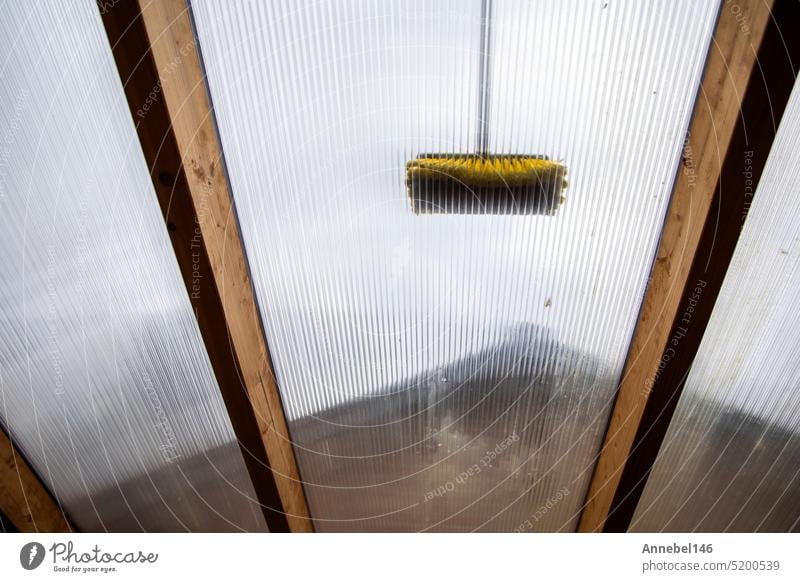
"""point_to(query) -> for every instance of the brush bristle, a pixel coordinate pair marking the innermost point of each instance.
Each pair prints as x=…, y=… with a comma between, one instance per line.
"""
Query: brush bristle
x=492, y=171
x=473, y=184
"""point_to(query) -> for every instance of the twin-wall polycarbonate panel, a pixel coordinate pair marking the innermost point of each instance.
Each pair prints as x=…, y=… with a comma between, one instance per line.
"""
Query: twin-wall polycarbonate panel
x=104, y=381
x=730, y=460
x=448, y=371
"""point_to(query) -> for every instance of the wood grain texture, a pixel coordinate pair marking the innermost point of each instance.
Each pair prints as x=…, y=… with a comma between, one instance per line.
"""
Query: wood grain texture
x=157, y=56
x=23, y=498
x=732, y=59
x=763, y=105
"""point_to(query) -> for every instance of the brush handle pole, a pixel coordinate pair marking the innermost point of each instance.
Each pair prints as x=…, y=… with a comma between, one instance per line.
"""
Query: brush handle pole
x=484, y=78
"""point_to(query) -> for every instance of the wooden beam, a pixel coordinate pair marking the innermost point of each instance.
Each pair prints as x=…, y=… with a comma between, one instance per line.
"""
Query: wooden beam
x=23, y=498
x=762, y=108
x=731, y=63
x=157, y=56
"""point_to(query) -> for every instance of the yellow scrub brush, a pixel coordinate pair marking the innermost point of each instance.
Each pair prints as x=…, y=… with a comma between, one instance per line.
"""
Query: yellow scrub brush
x=484, y=183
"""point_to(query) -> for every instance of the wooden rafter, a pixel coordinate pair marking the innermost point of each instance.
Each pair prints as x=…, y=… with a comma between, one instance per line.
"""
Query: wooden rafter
x=731, y=65
x=157, y=56
x=763, y=105
x=23, y=498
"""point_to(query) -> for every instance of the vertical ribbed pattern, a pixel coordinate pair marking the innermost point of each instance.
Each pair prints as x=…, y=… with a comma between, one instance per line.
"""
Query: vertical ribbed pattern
x=449, y=372
x=104, y=380
x=731, y=457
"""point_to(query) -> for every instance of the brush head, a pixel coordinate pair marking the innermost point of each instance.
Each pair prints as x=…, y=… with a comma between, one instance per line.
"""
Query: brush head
x=474, y=184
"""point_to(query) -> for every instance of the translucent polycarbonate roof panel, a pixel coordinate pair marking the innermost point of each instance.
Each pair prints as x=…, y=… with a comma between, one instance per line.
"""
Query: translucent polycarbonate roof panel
x=105, y=383
x=730, y=460
x=453, y=370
